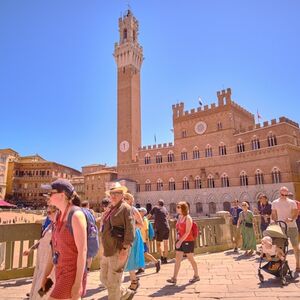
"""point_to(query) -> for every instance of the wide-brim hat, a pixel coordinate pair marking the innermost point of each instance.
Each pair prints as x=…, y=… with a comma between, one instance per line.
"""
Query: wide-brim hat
x=117, y=187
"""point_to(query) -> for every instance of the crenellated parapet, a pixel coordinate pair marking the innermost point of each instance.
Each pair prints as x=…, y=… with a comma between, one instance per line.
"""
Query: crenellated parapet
x=157, y=147
x=241, y=109
x=266, y=124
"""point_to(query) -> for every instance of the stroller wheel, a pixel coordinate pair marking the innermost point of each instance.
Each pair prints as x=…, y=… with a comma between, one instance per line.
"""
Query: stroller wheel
x=261, y=277
x=283, y=281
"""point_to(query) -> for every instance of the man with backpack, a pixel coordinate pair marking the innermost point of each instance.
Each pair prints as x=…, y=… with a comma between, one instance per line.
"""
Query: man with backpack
x=161, y=228
x=117, y=238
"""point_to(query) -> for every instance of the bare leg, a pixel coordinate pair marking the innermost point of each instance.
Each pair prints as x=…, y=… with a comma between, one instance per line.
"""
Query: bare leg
x=297, y=256
x=158, y=246
x=178, y=259
x=166, y=248
x=190, y=257
x=150, y=257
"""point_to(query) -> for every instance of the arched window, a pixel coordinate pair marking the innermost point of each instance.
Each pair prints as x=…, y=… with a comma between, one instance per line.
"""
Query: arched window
x=148, y=185
x=219, y=125
x=173, y=208
x=159, y=185
x=208, y=151
x=199, y=208
x=243, y=179
x=158, y=158
x=172, y=184
x=196, y=153
x=125, y=34
x=147, y=159
x=212, y=207
x=259, y=177
x=272, y=141
x=222, y=149
x=197, y=182
x=226, y=206
x=210, y=181
x=224, y=180
x=276, y=178
x=138, y=187
x=183, y=133
x=184, y=155
x=171, y=156
x=255, y=143
x=185, y=184
x=240, y=146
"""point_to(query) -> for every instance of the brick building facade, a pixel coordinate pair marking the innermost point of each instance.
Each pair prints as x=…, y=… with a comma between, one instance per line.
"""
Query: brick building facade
x=27, y=173
x=218, y=153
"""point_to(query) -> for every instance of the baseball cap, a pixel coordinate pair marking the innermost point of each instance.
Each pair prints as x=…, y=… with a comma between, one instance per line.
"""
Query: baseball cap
x=60, y=185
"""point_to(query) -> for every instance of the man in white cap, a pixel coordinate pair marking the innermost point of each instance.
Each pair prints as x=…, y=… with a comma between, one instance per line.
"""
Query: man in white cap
x=117, y=237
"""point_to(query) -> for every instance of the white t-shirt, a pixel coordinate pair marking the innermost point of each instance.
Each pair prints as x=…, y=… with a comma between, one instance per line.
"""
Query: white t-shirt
x=284, y=208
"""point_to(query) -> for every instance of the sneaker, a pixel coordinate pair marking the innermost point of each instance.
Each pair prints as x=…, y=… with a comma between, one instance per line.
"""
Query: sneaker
x=194, y=279
x=157, y=266
x=164, y=261
x=139, y=271
x=172, y=280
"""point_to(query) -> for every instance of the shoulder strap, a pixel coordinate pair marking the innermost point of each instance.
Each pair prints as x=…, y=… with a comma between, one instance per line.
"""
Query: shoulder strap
x=69, y=219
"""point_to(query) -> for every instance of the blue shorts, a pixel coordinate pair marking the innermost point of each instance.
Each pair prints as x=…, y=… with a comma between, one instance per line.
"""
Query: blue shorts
x=146, y=249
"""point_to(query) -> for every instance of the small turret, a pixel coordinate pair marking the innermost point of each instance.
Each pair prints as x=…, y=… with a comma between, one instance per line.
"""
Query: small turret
x=178, y=110
x=224, y=95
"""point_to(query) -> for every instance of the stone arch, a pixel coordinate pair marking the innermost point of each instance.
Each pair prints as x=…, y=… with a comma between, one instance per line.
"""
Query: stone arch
x=212, y=207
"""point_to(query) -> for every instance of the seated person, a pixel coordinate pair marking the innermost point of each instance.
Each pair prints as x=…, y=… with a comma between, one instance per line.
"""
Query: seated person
x=268, y=249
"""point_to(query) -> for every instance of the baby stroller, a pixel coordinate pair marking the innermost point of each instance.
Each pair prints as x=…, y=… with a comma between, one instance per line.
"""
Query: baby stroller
x=277, y=267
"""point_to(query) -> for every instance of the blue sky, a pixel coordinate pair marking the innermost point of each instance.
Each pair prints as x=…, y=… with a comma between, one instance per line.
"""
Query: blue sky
x=58, y=76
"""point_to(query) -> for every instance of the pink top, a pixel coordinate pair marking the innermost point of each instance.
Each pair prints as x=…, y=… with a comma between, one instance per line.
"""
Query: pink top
x=181, y=228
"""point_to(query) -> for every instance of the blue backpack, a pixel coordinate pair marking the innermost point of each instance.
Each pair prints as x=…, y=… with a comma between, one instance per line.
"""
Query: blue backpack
x=92, y=230
x=151, y=231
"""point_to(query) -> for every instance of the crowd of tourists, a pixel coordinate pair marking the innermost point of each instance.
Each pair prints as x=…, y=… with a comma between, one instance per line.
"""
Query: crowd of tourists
x=69, y=240
x=283, y=209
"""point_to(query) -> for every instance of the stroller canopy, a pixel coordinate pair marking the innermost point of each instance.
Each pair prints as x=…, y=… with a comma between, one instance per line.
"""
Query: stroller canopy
x=275, y=231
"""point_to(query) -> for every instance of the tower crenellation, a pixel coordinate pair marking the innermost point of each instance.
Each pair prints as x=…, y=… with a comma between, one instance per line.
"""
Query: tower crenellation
x=224, y=95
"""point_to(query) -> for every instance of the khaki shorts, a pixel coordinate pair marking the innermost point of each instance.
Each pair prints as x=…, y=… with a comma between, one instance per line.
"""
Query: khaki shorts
x=292, y=233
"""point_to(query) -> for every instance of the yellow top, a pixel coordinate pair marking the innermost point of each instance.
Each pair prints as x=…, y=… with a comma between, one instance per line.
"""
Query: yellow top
x=144, y=229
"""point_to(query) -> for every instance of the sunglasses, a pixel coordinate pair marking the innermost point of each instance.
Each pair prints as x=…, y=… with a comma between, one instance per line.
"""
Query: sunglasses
x=244, y=205
x=178, y=206
x=284, y=195
x=115, y=193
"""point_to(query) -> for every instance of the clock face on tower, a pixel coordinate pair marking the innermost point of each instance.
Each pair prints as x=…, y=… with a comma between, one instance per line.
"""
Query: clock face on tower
x=124, y=146
x=200, y=127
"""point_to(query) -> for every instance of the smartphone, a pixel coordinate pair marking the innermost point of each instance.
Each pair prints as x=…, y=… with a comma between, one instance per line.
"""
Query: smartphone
x=48, y=286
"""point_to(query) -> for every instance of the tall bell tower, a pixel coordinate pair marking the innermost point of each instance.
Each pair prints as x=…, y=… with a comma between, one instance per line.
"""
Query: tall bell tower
x=129, y=57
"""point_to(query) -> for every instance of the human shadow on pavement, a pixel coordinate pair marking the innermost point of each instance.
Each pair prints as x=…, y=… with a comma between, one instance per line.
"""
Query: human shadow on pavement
x=13, y=283
x=169, y=290
x=91, y=292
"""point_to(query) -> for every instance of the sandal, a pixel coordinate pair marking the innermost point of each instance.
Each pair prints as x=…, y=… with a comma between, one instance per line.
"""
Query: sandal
x=172, y=280
x=194, y=279
x=134, y=285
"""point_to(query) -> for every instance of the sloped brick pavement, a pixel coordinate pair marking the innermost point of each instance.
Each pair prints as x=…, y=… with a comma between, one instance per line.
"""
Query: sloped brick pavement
x=223, y=276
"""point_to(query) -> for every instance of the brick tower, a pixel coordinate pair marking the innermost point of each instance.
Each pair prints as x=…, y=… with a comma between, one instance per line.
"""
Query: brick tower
x=129, y=57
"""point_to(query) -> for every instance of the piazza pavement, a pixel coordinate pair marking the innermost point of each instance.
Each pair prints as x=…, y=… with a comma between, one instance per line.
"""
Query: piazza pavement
x=224, y=275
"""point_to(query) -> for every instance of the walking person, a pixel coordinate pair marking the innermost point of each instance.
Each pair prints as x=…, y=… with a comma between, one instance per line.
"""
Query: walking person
x=185, y=242
x=285, y=209
x=44, y=255
x=69, y=250
x=246, y=223
x=265, y=211
x=136, y=259
x=161, y=228
x=145, y=236
x=235, y=211
x=117, y=238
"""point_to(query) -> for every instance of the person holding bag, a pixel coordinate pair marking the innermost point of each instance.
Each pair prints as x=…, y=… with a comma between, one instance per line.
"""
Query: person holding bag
x=117, y=238
x=246, y=223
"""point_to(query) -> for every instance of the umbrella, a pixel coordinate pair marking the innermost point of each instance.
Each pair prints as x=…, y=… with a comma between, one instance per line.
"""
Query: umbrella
x=6, y=204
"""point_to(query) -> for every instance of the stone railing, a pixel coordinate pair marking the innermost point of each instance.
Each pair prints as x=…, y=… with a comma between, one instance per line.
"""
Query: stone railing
x=215, y=235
